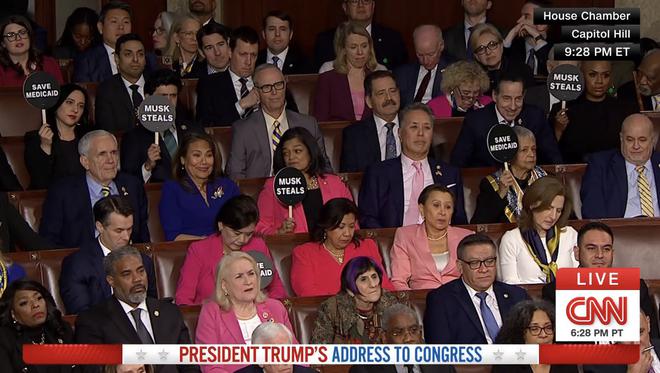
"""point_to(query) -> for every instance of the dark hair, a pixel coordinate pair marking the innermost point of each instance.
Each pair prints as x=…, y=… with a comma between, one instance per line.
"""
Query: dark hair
x=114, y=4
x=594, y=226
x=378, y=74
x=113, y=368
x=179, y=172
x=126, y=38
x=65, y=91
x=210, y=29
x=518, y=319
x=540, y=3
x=317, y=161
x=538, y=197
x=54, y=321
x=330, y=217
x=244, y=33
x=471, y=240
x=356, y=267
x=162, y=77
x=415, y=106
x=34, y=56
x=426, y=193
x=239, y=212
x=82, y=15
x=509, y=77
x=107, y=205
x=282, y=15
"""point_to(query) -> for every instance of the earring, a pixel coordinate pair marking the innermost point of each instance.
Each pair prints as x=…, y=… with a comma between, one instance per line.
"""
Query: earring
x=325, y=236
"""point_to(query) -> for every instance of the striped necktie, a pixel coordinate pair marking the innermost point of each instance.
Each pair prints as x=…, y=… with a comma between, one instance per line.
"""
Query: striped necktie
x=105, y=191
x=276, y=135
x=645, y=199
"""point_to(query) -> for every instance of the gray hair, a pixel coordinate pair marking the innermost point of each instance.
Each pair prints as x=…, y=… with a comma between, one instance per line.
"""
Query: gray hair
x=86, y=141
x=417, y=106
x=523, y=132
x=262, y=67
x=117, y=255
x=396, y=310
x=421, y=28
x=265, y=333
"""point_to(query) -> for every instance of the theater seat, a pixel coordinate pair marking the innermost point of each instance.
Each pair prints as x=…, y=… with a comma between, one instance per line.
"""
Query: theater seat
x=303, y=313
x=29, y=204
x=14, y=148
x=332, y=136
x=281, y=247
x=222, y=137
x=571, y=177
x=29, y=260
x=471, y=179
x=252, y=187
x=353, y=181
x=153, y=198
x=190, y=315
x=168, y=259
x=17, y=115
x=303, y=88
x=445, y=133
x=51, y=267
x=188, y=96
x=384, y=239
x=90, y=87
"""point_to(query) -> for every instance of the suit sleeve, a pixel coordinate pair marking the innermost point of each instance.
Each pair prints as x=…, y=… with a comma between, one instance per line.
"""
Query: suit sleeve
x=547, y=143
x=322, y=98
x=507, y=258
x=400, y=263
x=348, y=161
x=464, y=146
x=303, y=272
x=368, y=200
x=20, y=231
x=237, y=162
x=73, y=287
x=39, y=164
x=459, y=217
x=104, y=114
x=81, y=69
x=50, y=226
x=88, y=330
x=489, y=205
x=143, y=208
x=207, y=333
x=189, y=277
x=152, y=289
x=592, y=190
x=436, y=320
x=132, y=154
x=184, y=339
x=324, y=327
x=7, y=176
x=206, y=114
x=168, y=208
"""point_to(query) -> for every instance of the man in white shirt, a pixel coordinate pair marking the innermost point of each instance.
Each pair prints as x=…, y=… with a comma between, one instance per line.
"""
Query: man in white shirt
x=278, y=33
x=457, y=37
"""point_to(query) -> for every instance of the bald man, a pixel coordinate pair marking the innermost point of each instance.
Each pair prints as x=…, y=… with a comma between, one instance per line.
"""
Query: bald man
x=624, y=183
x=648, y=81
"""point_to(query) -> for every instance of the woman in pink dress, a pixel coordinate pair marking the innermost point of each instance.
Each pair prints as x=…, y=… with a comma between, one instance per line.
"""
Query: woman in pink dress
x=463, y=86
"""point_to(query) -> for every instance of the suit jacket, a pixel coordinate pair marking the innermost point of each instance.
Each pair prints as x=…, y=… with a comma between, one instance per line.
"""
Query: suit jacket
x=67, y=219
x=381, y=194
x=82, y=280
x=539, y=96
x=451, y=317
x=471, y=149
x=628, y=93
x=517, y=52
x=360, y=145
x=8, y=180
x=11, y=349
x=14, y=229
x=251, y=143
x=618, y=368
x=107, y=323
x=388, y=45
x=528, y=369
x=332, y=100
x=406, y=78
x=114, y=106
x=62, y=161
x=294, y=63
x=93, y=65
x=604, y=191
x=392, y=369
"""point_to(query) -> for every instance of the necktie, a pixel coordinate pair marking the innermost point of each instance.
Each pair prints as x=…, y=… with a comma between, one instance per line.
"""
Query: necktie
x=390, y=142
x=656, y=103
x=244, y=88
x=136, y=96
x=651, y=370
x=410, y=368
x=276, y=61
x=105, y=191
x=170, y=142
x=142, y=331
x=422, y=87
x=468, y=50
x=276, y=135
x=487, y=315
x=645, y=199
x=530, y=60
x=412, y=215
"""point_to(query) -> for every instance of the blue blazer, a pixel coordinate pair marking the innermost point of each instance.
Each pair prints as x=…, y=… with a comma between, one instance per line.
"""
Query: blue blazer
x=82, y=280
x=604, y=191
x=381, y=194
x=93, y=65
x=471, y=150
x=68, y=221
x=406, y=79
x=451, y=318
x=360, y=145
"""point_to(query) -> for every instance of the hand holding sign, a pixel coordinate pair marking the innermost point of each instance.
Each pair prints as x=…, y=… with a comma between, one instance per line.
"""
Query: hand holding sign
x=502, y=144
x=290, y=187
x=156, y=114
x=566, y=83
x=42, y=91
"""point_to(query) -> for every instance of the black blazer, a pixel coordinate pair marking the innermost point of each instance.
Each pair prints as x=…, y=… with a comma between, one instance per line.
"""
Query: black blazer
x=406, y=79
x=392, y=369
x=11, y=350
x=517, y=52
x=539, y=96
x=294, y=63
x=93, y=65
x=14, y=229
x=8, y=180
x=360, y=145
x=114, y=107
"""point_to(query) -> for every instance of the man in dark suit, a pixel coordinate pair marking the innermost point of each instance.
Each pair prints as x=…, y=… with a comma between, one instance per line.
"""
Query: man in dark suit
x=470, y=309
x=82, y=279
x=130, y=316
x=213, y=41
x=388, y=44
x=648, y=80
x=390, y=189
x=118, y=97
x=278, y=33
x=67, y=219
x=203, y=10
x=606, y=190
x=420, y=81
x=527, y=42
x=374, y=138
x=471, y=149
x=457, y=36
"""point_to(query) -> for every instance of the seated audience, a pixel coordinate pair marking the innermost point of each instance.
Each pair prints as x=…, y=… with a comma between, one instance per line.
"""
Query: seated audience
x=543, y=241
x=183, y=44
x=355, y=314
x=15, y=231
x=527, y=42
x=646, y=94
x=9, y=272
x=470, y=310
x=28, y=315
x=530, y=322
x=334, y=241
x=52, y=151
x=390, y=189
x=539, y=95
x=190, y=201
x=161, y=32
x=236, y=221
x=423, y=256
x=299, y=149
x=67, y=219
x=501, y=193
x=457, y=37
x=624, y=183
x=82, y=278
x=213, y=41
x=280, y=51
x=463, y=86
x=80, y=33
x=19, y=56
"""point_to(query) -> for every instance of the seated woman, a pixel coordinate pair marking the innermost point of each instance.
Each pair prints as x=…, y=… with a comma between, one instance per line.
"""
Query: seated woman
x=543, y=242
x=235, y=221
x=340, y=89
x=52, y=151
x=463, y=84
x=299, y=149
x=161, y=33
x=423, y=256
x=355, y=314
x=190, y=202
x=238, y=306
x=183, y=44
x=530, y=322
x=28, y=315
x=501, y=193
x=334, y=242
x=80, y=33
x=19, y=56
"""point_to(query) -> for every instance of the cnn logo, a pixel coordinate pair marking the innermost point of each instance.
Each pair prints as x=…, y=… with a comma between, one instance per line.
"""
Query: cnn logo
x=586, y=310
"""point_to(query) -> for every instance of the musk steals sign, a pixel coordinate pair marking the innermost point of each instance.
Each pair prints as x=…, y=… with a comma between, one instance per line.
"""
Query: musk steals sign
x=597, y=305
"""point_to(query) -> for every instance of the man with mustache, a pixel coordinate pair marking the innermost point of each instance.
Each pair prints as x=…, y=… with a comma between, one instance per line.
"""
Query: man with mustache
x=129, y=316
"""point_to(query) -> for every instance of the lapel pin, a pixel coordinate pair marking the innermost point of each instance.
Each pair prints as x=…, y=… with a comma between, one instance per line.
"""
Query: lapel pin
x=218, y=193
x=437, y=170
x=156, y=313
x=264, y=315
x=519, y=122
x=506, y=295
x=184, y=127
x=123, y=191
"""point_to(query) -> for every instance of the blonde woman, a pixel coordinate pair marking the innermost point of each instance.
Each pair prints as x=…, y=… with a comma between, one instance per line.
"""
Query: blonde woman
x=183, y=44
x=463, y=86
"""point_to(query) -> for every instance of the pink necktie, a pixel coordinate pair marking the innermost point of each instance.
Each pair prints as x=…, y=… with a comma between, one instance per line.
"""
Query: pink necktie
x=412, y=215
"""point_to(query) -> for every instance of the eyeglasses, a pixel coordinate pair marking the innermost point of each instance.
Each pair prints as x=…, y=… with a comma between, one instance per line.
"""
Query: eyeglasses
x=476, y=264
x=267, y=88
x=13, y=36
x=356, y=2
x=158, y=31
x=467, y=94
x=490, y=46
x=412, y=330
x=536, y=330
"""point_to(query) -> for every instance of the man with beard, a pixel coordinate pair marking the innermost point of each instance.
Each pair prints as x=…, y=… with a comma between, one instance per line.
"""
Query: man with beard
x=203, y=10
x=129, y=316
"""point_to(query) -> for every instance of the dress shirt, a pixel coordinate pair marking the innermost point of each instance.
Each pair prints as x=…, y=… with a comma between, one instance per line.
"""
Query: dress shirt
x=270, y=126
x=382, y=135
x=491, y=301
x=237, y=89
x=94, y=189
x=210, y=70
x=408, y=175
x=111, y=56
x=655, y=101
x=368, y=28
x=281, y=56
x=539, y=44
x=403, y=369
x=429, y=88
x=633, y=206
x=501, y=120
x=467, y=26
x=146, y=175
x=656, y=362
x=144, y=316
x=128, y=85
x=105, y=251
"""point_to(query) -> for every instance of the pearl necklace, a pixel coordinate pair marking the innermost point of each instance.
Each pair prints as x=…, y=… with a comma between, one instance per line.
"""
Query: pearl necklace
x=42, y=340
x=438, y=238
x=338, y=257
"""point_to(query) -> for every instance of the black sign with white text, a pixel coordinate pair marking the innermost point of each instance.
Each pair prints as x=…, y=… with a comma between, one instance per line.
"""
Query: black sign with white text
x=41, y=90
x=290, y=186
x=502, y=143
x=566, y=82
x=156, y=113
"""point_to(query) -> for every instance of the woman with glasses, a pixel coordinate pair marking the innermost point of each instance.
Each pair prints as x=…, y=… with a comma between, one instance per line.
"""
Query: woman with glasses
x=161, y=32
x=463, y=84
x=19, y=56
x=543, y=241
x=183, y=44
x=80, y=33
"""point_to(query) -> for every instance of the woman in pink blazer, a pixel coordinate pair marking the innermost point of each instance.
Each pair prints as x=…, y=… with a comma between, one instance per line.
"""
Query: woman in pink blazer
x=237, y=307
x=423, y=256
x=298, y=148
x=463, y=86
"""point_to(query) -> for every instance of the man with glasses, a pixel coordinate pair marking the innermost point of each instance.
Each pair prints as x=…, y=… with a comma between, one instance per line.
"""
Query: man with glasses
x=255, y=138
x=470, y=309
x=648, y=83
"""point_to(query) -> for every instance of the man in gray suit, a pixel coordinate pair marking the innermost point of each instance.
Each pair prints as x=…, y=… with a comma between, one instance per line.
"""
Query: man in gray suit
x=254, y=138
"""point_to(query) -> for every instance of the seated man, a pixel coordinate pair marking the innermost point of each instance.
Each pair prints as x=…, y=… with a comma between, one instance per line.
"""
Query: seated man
x=648, y=81
x=67, y=219
x=213, y=41
x=82, y=280
x=470, y=309
x=280, y=51
x=527, y=42
x=624, y=183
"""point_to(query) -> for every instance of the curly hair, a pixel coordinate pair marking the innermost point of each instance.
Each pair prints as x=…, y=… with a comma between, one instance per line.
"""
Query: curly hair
x=54, y=321
x=464, y=72
x=519, y=318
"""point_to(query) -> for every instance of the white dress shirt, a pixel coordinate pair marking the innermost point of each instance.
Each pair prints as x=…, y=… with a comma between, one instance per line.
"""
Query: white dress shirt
x=633, y=204
x=281, y=56
x=408, y=175
x=105, y=251
x=491, y=301
x=382, y=135
x=128, y=85
x=466, y=29
x=144, y=316
x=270, y=126
x=237, y=89
x=429, y=88
x=111, y=57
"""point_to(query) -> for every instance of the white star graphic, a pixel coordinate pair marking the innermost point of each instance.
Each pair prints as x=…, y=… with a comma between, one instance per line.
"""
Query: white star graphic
x=163, y=355
x=498, y=355
x=141, y=355
x=521, y=355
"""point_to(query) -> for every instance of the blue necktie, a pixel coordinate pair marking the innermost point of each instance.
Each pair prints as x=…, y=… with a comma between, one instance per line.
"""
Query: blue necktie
x=468, y=50
x=390, y=142
x=530, y=60
x=487, y=315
